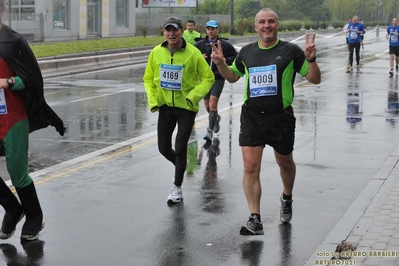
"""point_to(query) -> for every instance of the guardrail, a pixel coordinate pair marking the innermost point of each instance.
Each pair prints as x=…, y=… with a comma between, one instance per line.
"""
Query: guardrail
x=79, y=63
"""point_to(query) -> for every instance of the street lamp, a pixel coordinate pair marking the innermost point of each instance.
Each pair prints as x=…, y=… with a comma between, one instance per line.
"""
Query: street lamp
x=317, y=14
x=232, y=31
x=364, y=10
x=9, y=13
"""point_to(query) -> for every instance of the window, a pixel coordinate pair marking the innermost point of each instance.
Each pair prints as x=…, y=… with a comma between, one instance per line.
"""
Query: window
x=60, y=14
x=22, y=9
x=121, y=13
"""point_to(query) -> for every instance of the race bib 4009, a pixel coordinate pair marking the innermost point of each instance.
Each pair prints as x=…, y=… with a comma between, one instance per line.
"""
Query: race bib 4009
x=263, y=81
x=171, y=76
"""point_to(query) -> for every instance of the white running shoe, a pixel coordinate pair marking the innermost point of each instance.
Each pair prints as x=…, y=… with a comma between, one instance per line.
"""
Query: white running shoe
x=176, y=195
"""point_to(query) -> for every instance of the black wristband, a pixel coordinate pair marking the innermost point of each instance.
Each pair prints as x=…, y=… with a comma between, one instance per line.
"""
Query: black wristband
x=311, y=60
x=10, y=82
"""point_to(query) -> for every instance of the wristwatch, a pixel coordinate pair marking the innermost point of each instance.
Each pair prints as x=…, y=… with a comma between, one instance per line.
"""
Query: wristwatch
x=312, y=60
x=10, y=82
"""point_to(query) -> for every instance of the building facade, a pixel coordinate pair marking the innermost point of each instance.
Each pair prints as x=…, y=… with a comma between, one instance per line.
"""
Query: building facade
x=56, y=20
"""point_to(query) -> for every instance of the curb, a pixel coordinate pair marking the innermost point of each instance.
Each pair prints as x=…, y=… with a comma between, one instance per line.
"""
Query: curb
x=347, y=223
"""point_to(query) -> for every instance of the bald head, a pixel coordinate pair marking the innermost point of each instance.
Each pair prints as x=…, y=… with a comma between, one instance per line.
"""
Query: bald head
x=264, y=10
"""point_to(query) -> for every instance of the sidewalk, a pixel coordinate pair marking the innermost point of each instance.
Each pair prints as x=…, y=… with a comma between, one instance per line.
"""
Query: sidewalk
x=377, y=229
x=375, y=235
x=371, y=224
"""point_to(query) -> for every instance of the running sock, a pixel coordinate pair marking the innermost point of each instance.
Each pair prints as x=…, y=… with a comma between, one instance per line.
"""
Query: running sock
x=256, y=215
x=285, y=197
x=212, y=119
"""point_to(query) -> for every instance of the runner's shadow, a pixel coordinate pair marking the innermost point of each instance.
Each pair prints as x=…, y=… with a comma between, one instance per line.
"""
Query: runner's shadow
x=212, y=198
x=213, y=151
x=192, y=150
x=354, y=105
x=173, y=241
x=393, y=102
x=33, y=249
x=251, y=252
x=285, y=244
x=354, y=112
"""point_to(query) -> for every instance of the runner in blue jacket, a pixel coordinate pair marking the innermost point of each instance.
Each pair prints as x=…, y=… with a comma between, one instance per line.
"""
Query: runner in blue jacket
x=392, y=36
x=355, y=30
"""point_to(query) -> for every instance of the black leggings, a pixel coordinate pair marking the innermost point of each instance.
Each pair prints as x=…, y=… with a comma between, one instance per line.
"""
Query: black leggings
x=355, y=46
x=168, y=118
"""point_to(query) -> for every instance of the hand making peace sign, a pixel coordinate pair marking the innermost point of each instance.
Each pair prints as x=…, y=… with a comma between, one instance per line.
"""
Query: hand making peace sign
x=217, y=54
x=310, y=48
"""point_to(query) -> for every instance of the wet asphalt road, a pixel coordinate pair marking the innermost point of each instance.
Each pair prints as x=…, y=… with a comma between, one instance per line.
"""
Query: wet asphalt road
x=103, y=187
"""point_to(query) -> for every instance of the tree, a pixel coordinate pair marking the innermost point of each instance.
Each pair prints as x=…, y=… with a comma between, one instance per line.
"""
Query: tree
x=243, y=10
x=214, y=7
x=343, y=9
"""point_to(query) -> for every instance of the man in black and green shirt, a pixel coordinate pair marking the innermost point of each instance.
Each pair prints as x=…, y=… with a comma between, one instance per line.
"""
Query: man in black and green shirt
x=270, y=66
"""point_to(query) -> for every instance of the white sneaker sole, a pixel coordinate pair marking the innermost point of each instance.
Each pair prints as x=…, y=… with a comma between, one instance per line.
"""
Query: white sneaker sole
x=31, y=237
x=174, y=201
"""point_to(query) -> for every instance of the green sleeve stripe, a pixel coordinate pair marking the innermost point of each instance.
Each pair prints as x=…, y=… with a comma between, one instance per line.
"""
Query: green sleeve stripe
x=235, y=70
x=287, y=85
x=304, y=69
x=238, y=73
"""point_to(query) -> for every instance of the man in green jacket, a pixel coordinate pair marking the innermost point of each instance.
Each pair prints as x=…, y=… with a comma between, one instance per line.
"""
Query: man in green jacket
x=176, y=79
x=190, y=34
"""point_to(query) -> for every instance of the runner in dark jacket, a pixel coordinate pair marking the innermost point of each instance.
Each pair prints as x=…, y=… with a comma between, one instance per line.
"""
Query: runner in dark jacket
x=212, y=98
x=23, y=109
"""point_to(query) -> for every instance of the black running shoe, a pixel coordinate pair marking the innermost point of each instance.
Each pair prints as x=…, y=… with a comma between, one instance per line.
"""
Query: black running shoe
x=253, y=227
x=10, y=221
x=285, y=213
x=216, y=128
x=32, y=228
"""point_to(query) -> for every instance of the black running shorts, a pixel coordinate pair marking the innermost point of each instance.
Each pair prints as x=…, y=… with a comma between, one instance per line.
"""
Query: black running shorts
x=394, y=50
x=275, y=130
x=216, y=89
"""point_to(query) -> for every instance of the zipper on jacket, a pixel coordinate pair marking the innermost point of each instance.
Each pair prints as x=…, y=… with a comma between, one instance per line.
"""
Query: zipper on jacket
x=173, y=92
